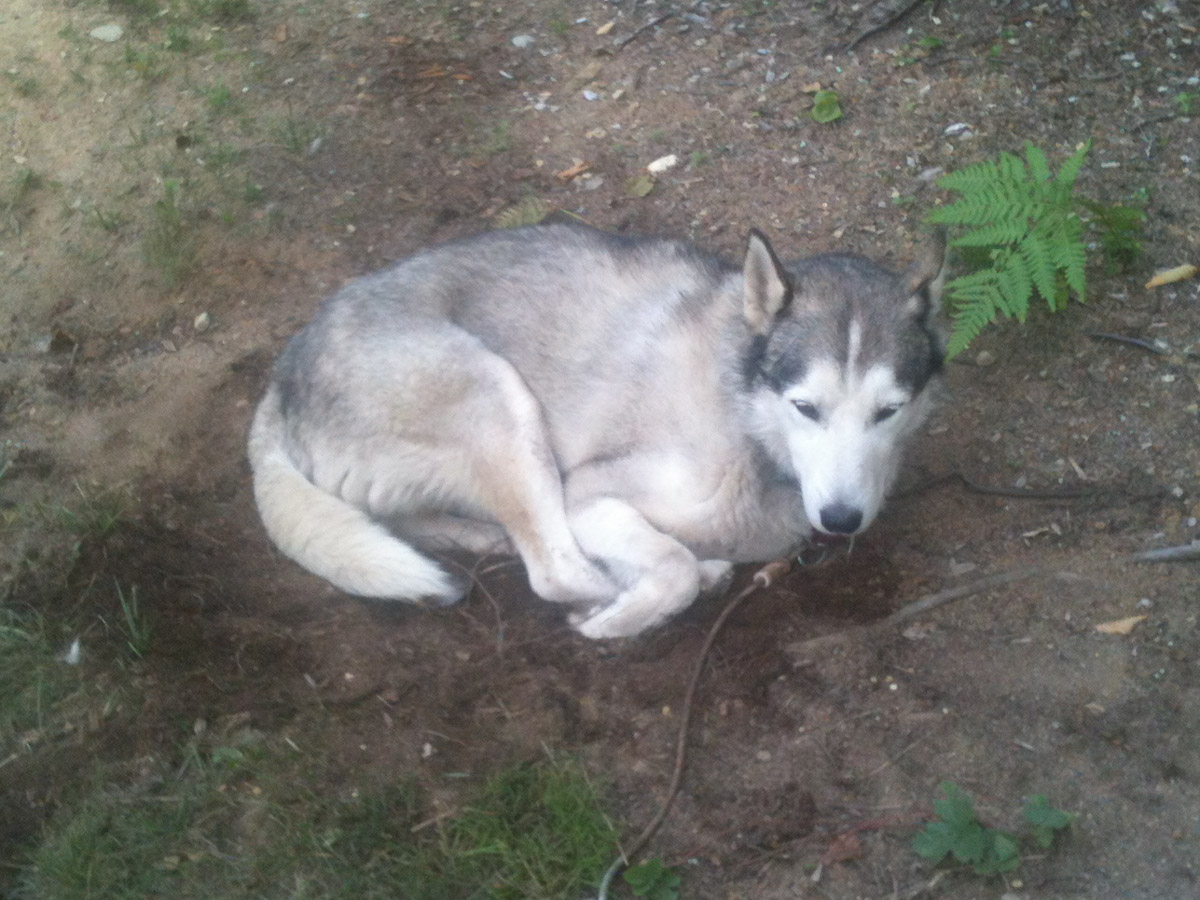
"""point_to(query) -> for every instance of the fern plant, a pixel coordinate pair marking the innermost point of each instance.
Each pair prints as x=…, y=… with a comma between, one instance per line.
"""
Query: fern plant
x=1026, y=222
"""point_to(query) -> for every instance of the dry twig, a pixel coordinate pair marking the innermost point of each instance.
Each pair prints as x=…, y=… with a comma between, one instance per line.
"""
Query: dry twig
x=764, y=578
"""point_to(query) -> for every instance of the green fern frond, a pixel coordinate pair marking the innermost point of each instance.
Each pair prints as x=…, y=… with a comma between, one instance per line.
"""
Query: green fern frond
x=1038, y=167
x=1016, y=286
x=976, y=300
x=1021, y=217
x=1013, y=170
x=1120, y=230
x=972, y=178
x=1069, y=254
x=529, y=211
x=995, y=234
x=1070, y=169
x=1038, y=254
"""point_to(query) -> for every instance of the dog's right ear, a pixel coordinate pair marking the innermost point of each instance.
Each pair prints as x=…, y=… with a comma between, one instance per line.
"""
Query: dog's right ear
x=768, y=287
x=926, y=277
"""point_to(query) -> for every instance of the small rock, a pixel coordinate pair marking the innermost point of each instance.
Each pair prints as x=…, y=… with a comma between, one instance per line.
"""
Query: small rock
x=107, y=33
x=985, y=358
x=590, y=95
x=663, y=164
x=956, y=129
x=201, y=323
x=523, y=41
x=763, y=755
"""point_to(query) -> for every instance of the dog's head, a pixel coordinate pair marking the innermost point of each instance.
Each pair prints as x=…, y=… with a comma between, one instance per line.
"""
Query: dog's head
x=842, y=358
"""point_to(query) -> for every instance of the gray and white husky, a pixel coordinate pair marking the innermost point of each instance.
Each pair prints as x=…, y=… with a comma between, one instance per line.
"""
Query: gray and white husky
x=629, y=416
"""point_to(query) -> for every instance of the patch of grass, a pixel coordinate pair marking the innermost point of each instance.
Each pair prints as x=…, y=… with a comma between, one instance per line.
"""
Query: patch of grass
x=237, y=821
x=33, y=678
x=24, y=85
x=220, y=98
x=95, y=516
x=297, y=136
x=169, y=246
x=253, y=192
x=496, y=139
x=110, y=222
x=224, y=11
x=1185, y=102
x=221, y=156
x=179, y=38
x=537, y=833
x=20, y=189
x=136, y=9
x=135, y=625
x=145, y=62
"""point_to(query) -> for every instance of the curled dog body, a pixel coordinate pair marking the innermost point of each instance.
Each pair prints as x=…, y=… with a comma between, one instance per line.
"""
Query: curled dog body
x=629, y=416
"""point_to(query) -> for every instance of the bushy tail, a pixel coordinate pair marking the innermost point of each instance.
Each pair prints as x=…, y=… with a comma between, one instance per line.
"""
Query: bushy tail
x=328, y=536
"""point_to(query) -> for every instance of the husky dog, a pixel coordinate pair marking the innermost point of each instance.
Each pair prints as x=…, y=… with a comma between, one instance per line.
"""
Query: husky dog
x=629, y=416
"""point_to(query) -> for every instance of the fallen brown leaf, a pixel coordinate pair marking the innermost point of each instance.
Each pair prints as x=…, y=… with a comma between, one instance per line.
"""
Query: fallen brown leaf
x=1119, y=626
x=581, y=166
x=1170, y=276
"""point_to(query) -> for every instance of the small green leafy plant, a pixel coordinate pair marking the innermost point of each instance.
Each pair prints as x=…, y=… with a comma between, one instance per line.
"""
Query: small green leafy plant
x=827, y=107
x=1026, y=227
x=959, y=833
x=653, y=880
x=1044, y=821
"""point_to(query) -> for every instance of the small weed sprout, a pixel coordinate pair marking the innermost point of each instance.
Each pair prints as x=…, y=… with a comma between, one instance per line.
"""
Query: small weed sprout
x=826, y=108
x=134, y=622
x=96, y=517
x=169, y=246
x=652, y=880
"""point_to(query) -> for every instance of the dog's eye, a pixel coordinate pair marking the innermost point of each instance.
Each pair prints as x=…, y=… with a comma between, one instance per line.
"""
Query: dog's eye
x=807, y=410
x=886, y=413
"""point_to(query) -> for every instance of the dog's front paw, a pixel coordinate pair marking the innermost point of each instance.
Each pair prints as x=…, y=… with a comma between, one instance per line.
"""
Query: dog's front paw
x=619, y=619
x=600, y=623
x=716, y=575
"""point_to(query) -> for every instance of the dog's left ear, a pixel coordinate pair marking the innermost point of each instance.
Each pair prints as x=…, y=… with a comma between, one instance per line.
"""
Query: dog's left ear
x=925, y=278
x=768, y=287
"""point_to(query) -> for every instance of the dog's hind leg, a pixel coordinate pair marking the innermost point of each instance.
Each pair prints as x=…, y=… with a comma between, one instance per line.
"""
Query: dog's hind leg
x=659, y=575
x=512, y=476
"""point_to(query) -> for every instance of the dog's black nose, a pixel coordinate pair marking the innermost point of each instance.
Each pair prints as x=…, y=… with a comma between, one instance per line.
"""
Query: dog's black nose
x=838, y=518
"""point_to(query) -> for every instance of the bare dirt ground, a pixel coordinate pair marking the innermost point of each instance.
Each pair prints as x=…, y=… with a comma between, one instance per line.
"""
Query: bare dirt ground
x=175, y=208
